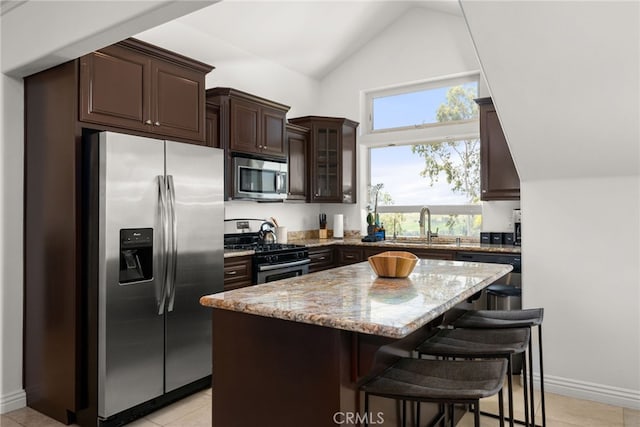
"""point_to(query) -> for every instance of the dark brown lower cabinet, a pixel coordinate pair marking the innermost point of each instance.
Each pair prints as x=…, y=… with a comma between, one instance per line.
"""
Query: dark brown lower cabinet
x=313, y=372
x=432, y=254
x=349, y=255
x=322, y=258
x=237, y=272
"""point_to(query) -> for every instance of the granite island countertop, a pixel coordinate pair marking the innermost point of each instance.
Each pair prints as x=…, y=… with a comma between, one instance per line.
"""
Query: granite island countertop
x=353, y=298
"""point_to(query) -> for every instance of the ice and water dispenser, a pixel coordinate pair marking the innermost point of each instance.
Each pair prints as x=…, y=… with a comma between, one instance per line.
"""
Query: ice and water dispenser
x=136, y=255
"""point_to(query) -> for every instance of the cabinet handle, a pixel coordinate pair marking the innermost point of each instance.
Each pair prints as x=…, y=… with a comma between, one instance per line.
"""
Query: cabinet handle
x=231, y=273
x=484, y=191
x=148, y=122
x=322, y=258
x=349, y=256
x=157, y=123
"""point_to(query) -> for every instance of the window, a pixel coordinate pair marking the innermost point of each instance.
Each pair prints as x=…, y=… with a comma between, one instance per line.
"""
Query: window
x=419, y=105
x=442, y=172
x=444, y=176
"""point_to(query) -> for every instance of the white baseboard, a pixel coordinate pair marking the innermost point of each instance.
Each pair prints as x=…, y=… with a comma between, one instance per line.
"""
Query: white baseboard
x=12, y=401
x=626, y=398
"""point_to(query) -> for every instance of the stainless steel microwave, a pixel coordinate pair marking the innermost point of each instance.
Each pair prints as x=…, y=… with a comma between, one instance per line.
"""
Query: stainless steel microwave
x=259, y=179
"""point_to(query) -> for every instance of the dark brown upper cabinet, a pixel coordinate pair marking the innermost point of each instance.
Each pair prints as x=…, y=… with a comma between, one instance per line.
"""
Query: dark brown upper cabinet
x=212, y=125
x=297, y=142
x=136, y=86
x=498, y=176
x=332, y=158
x=251, y=125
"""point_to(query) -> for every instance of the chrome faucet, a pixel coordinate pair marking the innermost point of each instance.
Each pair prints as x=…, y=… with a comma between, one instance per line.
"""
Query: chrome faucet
x=429, y=233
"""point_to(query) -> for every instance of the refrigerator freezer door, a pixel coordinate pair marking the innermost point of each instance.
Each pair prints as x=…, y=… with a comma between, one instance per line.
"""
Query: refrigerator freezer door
x=130, y=331
x=195, y=190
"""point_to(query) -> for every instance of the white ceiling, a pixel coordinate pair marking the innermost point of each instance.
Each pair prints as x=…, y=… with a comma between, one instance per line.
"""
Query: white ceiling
x=310, y=37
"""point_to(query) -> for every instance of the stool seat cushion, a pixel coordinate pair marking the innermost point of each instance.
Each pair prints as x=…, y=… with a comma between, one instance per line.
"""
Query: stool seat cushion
x=433, y=380
x=486, y=319
x=476, y=342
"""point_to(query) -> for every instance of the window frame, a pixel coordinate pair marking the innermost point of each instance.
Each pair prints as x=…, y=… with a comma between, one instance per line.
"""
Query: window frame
x=421, y=134
x=435, y=83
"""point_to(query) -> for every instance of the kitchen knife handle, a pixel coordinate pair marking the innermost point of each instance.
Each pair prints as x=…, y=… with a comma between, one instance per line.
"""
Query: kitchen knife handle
x=161, y=280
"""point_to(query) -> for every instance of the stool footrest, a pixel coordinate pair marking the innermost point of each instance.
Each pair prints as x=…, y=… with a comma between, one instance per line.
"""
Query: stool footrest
x=506, y=418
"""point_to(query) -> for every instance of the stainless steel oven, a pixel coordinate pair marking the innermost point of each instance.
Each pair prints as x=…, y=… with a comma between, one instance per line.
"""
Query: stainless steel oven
x=271, y=272
x=259, y=179
x=271, y=261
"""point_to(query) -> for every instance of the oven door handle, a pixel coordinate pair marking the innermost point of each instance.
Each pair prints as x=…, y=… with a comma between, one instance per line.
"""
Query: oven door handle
x=283, y=265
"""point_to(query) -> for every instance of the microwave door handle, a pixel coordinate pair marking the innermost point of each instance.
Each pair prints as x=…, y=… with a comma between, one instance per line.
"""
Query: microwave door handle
x=278, y=181
x=281, y=182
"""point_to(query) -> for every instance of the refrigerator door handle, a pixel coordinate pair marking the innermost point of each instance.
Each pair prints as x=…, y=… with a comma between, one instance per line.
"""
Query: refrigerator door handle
x=171, y=274
x=164, y=245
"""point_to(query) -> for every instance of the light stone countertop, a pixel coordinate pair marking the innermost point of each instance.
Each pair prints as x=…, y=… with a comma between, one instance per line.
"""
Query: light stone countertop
x=230, y=253
x=353, y=298
x=410, y=243
x=407, y=245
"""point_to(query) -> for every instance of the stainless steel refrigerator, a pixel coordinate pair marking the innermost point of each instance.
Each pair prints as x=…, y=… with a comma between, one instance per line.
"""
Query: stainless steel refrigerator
x=157, y=220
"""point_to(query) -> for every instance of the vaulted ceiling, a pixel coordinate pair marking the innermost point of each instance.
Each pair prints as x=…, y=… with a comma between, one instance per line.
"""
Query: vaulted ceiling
x=565, y=79
x=310, y=37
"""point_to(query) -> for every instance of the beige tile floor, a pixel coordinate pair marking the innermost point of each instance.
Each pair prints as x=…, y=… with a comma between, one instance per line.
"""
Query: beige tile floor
x=195, y=411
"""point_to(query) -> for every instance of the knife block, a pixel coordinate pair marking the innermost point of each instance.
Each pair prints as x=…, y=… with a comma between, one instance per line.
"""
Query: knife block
x=322, y=233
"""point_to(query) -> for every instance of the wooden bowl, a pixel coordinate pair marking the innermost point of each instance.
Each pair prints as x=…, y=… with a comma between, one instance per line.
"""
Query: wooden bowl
x=393, y=263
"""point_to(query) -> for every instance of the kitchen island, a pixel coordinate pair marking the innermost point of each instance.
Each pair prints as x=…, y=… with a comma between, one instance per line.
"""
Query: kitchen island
x=295, y=351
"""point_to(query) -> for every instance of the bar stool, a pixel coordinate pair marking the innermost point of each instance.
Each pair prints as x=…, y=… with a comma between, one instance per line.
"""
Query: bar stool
x=467, y=343
x=439, y=381
x=504, y=319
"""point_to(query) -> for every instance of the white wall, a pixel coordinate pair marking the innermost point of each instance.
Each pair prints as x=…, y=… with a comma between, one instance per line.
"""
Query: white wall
x=573, y=129
x=497, y=216
x=12, y=395
x=581, y=262
x=420, y=45
x=295, y=216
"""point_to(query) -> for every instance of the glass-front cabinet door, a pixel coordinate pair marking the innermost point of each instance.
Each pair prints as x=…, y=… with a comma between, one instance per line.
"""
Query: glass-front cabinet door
x=331, y=158
x=326, y=165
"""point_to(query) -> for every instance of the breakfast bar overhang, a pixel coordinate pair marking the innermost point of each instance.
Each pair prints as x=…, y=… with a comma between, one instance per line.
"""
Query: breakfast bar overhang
x=295, y=351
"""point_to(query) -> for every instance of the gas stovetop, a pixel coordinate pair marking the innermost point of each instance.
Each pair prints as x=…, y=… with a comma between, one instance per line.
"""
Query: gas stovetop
x=263, y=247
x=251, y=241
